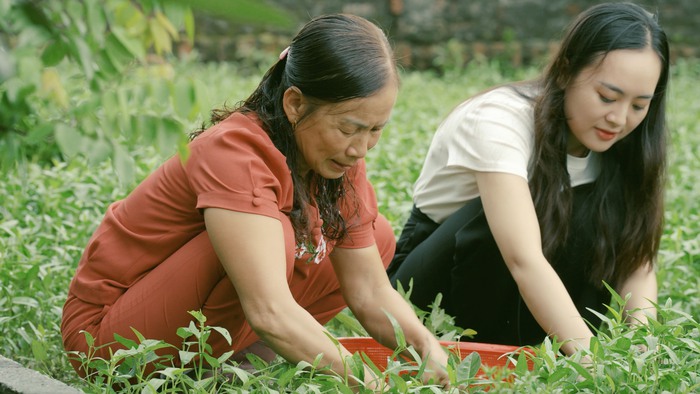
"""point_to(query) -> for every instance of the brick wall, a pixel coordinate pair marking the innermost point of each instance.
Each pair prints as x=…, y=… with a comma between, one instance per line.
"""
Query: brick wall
x=447, y=33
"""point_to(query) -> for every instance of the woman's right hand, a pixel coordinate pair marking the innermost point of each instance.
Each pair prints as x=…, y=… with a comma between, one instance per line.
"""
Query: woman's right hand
x=512, y=219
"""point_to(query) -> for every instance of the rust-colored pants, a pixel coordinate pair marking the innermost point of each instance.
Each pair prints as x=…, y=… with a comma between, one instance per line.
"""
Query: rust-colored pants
x=194, y=279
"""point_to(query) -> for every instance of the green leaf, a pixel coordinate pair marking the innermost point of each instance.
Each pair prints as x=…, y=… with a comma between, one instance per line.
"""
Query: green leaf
x=468, y=333
x=597, y=348
x=107, y=66
x=213, y=361
x=54, y=52
x=89, y=339
x=96, y=20
x=117, y=53
x=398, y=332
x=286, y=377
x=84, y=55
x=127, y=343
x=623, y=344
x=5, y=7
x=69, y=139
x=133, y=46
x=521, y=367
x=36, y=15
x=199, y=316
x=39, y=350
x=224, y=357
x=139, y=336
x=398, y=383
x=241, y=374
x=469, y=366
x=183, y=96
x=184, y=332
x=582, y=371
x=194, y=330
x=123, y=165
x=186, y=357
x=557, y=375
x=189, y=24
x=615, y=297
x=161, y=39
x=224, y=332
x=99, y=150
x=244, y=12
x=152, y=386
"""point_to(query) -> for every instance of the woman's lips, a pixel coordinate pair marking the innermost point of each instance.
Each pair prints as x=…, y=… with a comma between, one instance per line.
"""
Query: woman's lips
x=341, y=166
x=605, y=135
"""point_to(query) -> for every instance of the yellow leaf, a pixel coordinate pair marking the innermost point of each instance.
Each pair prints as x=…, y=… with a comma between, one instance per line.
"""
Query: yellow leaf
x=161, y=40
x=189, y=24
x=53, y=88
x=167, y=26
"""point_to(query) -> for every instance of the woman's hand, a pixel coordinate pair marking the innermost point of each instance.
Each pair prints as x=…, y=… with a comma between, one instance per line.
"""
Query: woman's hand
x=437, y=367
x=513, y=222
x=252, y=251
x=371, y=298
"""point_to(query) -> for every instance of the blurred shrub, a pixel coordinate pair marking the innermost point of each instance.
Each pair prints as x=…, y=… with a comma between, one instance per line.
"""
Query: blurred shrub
x=61, y=71
x=68, y=71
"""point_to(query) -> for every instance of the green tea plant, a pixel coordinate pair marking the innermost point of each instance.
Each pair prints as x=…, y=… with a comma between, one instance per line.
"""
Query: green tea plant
x=137, y=368
x=127, y=370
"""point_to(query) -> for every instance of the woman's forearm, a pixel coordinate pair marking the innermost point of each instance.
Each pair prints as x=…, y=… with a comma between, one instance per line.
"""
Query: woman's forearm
x=642, y=289
x=374, y=318
x=296, y=336
x=552, y=307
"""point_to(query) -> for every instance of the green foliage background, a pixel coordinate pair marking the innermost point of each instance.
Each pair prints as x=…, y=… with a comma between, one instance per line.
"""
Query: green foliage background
x=89, y=105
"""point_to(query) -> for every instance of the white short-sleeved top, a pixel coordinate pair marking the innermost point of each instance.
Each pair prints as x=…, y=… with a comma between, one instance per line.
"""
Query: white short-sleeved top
x=491, y=132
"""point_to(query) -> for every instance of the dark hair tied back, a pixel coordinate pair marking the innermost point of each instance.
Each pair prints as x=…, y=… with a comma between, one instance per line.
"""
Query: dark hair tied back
x=333, y=58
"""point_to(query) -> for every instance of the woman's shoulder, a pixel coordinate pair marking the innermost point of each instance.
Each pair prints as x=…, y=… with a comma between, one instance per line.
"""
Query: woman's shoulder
x=507, y=105
x=517, y=95
x=236, y=125
x=240, y=133
x=238, y=141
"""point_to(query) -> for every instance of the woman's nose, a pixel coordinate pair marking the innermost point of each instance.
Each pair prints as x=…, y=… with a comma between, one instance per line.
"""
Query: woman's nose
x=617, y=116
x=359, y=146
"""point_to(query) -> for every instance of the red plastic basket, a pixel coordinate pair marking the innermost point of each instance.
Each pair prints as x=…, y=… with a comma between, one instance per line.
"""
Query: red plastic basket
x=491, y=355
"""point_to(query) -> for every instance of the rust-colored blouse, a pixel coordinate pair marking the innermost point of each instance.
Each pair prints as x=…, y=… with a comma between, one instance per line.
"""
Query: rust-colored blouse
x=233, y=165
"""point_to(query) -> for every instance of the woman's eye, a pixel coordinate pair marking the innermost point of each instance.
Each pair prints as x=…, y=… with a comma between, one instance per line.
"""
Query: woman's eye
x=605, y=99
x=638, y=107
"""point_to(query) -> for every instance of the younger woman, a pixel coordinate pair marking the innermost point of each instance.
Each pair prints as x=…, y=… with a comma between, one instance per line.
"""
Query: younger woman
x=534, y=194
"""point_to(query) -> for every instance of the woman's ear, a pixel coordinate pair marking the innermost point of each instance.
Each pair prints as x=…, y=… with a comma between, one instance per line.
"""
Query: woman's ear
x=293, y=103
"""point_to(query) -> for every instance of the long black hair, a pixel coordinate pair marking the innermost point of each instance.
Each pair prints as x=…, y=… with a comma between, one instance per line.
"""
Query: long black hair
x=627, y=202
x=333, y=58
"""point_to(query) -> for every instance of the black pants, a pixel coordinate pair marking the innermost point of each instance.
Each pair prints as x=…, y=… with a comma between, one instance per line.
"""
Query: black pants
x=460, y=259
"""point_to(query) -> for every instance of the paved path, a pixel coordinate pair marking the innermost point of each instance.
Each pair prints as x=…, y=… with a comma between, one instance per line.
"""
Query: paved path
x=16, y=379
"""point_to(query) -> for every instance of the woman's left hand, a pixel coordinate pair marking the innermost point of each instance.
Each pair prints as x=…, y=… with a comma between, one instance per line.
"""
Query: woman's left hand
x=366, y=288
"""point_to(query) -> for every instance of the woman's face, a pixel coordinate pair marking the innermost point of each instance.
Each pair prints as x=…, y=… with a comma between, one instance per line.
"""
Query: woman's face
x=609, y=99
x=335, y=136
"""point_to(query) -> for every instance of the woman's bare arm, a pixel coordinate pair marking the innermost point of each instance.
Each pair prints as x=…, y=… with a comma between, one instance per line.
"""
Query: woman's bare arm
x=251, y=249
x=369, y=295
x=511, y=216
x=643, y=291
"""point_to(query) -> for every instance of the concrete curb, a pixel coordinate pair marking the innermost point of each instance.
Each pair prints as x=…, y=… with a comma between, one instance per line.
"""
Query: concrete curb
x=16, y=379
